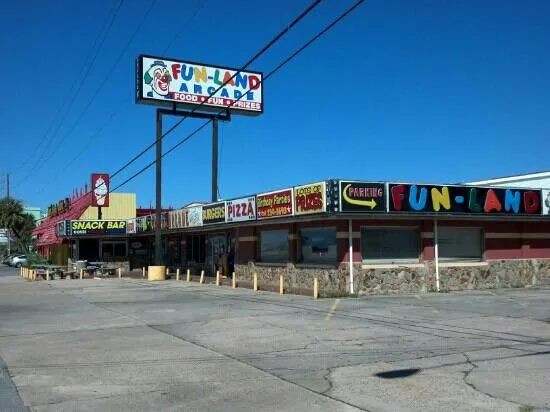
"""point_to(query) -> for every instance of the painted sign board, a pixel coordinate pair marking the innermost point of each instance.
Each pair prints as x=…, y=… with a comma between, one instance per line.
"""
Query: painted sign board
x=194, y=216
x=241, y=210
x=62, y=228
x=98, y=227
x=131, y=226
x=164, y=82
x=362, y=196
x=310, y=198
x=279, y=203
x=100, y=189
x=546, y=202
x=177, y=218
x=450, y=199
x=213, y=213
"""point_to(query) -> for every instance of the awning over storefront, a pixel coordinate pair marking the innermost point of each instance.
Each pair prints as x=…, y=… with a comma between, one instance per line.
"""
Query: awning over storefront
x=45, y=232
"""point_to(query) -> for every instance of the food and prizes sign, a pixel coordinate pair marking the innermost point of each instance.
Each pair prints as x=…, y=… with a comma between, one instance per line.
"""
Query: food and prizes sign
x=310, y=199
x=165, y=82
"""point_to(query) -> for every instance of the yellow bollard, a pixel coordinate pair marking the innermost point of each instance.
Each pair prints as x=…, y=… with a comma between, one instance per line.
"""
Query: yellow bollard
x=47, y=275
x=189, y=275
x=177, y=274
x=81, y=273
x=120, y=273
x=281, y=285
x=255, y=281
x=315, y=288
x=217, y=278
x=21, y=271
x=202, y=277
x=143, y=271
x=234, y=280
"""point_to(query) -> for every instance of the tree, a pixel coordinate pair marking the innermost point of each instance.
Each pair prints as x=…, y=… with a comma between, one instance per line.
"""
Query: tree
x=19, y=223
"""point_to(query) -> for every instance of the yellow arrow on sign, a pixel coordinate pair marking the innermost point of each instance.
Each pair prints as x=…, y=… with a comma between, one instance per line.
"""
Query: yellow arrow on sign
x=370, y=203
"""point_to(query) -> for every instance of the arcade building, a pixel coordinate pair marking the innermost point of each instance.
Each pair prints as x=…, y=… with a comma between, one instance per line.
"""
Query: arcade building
x=355, y=236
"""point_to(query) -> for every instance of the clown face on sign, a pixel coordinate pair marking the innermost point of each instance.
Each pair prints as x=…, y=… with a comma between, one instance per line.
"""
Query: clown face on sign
x=159, y=79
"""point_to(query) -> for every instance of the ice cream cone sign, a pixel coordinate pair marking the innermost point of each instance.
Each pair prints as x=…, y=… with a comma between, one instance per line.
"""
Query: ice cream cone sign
x=100, y=189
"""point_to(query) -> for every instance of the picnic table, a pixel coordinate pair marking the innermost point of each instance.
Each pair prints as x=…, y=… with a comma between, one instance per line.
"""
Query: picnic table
x=101, y=268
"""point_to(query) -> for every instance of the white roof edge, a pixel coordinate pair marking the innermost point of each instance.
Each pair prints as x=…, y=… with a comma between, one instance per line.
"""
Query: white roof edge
x=507, y=179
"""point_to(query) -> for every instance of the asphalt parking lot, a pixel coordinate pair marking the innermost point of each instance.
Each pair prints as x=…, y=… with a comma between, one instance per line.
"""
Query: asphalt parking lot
x=131, y=345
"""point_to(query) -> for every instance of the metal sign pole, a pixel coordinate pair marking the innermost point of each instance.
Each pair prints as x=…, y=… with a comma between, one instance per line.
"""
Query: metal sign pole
x=214, y=159
x=158, y=241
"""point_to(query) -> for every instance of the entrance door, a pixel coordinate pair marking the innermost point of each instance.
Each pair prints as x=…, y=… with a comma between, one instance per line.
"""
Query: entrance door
x=215, y=246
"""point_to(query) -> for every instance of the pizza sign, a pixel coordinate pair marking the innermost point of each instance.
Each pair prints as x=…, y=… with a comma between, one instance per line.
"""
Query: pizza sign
x=241, y=210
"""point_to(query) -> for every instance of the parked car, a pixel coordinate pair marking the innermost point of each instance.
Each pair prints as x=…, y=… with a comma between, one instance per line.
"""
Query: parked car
x=18, y=261
x=8, y=258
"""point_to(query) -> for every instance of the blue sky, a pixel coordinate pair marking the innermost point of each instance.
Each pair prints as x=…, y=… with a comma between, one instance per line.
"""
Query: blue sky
x=430, y=91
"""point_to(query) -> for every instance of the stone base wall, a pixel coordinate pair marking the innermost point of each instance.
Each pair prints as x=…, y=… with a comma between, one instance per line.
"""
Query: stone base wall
x=331, y=279
x=402, y=279
x=388, y=281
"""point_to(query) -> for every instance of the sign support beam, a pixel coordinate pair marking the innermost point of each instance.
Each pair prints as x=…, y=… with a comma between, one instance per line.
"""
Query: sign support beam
x=214, y=117
x=214, y=160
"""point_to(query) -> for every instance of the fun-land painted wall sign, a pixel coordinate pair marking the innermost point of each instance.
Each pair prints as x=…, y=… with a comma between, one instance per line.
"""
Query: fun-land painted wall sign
x=165, y=82
x=463, y=200
x=310, y=198
x=362, y=196
x=98, y=227
x=275, y=204
x=241, y=210
x=213, y=213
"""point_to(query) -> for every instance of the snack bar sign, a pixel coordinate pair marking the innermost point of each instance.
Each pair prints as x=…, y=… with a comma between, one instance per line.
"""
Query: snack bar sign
x=98, y=227
x=165, y=82
x=241, y=210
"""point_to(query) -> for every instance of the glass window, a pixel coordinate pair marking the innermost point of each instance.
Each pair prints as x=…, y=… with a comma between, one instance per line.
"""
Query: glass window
x=274, y=246
x=460, y=243
x=318, y=245
x=113, y=249
x=196, y=248
x=119, y=249
x=390, y=244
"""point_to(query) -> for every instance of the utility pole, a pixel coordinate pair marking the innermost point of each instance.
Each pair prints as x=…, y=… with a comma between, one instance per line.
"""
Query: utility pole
x=8, y=185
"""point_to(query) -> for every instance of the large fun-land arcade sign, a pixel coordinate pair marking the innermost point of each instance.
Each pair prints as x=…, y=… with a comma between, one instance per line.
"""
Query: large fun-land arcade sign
x=167, y=82
x=190, y=89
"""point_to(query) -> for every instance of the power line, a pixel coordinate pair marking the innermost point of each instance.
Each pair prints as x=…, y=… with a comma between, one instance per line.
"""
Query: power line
x=184, y=26
x=113, y=114
x=100, y=88
x=271, y=73
x=75, y=80
x=253, y=59
x=87, y=71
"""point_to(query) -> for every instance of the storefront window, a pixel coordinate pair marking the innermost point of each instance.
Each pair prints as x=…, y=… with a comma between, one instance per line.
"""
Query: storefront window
x=113, y=249
x=460, y=243
x=196, y=248
x=274, y=246
x=318, y=246
x=390, y=245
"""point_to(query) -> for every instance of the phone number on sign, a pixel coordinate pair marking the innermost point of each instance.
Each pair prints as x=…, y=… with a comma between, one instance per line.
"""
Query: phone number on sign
x=277, y=211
